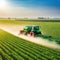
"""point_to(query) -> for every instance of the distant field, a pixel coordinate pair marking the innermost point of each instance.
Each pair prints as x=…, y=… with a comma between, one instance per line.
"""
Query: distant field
x=14, y=48
x=48, y=28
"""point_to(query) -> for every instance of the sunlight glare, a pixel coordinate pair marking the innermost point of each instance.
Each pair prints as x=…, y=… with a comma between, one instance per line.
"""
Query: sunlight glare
x=3, y=4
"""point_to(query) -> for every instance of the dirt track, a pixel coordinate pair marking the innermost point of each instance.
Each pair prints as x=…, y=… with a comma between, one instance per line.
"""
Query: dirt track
x=14, y=29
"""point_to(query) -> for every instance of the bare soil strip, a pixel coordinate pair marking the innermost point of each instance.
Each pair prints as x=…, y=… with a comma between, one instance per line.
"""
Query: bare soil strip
x=14, y=29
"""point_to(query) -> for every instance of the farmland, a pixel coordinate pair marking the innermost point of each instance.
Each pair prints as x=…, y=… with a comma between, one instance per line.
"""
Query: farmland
x=19, y=49
x=48, y=28
x=14, y=48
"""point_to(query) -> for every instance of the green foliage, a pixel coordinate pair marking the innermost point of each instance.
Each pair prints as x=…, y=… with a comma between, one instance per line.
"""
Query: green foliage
x=14, y=48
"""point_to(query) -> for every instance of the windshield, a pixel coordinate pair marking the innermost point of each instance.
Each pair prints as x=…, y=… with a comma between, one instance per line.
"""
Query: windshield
x=36, y=28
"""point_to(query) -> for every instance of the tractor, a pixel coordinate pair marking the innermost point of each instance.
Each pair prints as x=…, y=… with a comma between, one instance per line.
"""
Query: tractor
x=31, y=30
x=35, y=31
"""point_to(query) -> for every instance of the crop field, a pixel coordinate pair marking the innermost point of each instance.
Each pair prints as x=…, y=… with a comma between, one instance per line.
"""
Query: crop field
x=14, y=48
x=48, y=28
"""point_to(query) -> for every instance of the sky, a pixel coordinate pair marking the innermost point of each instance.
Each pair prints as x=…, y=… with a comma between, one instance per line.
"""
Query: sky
x=29, y=8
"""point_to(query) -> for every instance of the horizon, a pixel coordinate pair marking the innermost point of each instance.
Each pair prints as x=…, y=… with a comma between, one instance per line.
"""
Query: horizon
x=29, y=8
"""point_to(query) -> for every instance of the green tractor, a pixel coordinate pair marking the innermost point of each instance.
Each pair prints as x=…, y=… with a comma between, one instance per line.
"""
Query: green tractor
x=32, y=30
x=36, y=31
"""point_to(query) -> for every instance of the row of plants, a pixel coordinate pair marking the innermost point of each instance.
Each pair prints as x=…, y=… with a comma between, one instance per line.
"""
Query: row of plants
x=14, y=48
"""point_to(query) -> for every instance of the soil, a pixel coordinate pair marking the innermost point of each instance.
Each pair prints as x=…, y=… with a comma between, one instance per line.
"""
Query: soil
x=15, y=29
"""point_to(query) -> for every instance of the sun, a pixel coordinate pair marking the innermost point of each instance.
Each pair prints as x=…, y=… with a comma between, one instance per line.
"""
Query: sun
x=3, y=4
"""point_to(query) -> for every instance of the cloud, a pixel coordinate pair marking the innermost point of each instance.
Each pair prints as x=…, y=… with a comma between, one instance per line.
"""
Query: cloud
x=21, y=11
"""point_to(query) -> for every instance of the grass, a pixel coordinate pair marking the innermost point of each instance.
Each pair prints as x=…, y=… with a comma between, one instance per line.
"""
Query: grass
x=48, y=28
x=14, y=48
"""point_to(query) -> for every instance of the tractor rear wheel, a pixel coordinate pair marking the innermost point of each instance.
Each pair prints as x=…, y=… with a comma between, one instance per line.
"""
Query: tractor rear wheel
x=40, y=33
x=32, y=34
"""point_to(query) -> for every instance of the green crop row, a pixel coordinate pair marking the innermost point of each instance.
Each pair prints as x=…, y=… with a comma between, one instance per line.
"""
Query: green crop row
x=14, y=48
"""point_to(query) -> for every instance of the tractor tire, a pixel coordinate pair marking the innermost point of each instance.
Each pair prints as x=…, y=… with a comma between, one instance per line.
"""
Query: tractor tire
x=40, y=33
x=32, y=34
